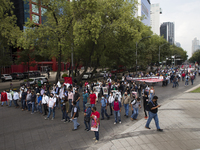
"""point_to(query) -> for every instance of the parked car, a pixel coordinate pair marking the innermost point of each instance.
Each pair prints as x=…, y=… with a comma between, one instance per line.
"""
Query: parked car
x=35, y=73
x=33, y=81
x=17, y=75
x=26, y=74
x=6, y=77
x=101, y=74
x=88, y=76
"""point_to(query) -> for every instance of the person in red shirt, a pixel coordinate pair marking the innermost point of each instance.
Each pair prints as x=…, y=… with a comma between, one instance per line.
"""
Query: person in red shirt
x=86, y=83
x=97, y=114
x=93, y=99
x=183, y=76
x=4, y=98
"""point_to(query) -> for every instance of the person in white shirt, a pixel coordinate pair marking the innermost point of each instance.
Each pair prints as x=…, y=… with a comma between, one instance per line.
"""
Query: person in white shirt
x=110, y=100
x=45, y=100
x=16, y=98
x=9, y=96
x=51, y=105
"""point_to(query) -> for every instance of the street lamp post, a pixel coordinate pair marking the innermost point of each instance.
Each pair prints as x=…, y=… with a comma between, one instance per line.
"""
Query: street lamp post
x=159, y=51
x=136, y=50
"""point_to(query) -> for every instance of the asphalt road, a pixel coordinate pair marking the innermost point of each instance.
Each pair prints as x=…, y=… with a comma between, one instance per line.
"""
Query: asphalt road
x=21, y=130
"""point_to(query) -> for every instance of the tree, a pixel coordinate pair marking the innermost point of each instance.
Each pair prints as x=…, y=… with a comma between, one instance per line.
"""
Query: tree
x=195, y=57
x=8, y=32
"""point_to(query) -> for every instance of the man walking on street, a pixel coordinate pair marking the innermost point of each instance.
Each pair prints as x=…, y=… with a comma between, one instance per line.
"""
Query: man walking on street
x=96, y=114
x=103, y=108
x=74, y=115
x=116, y=106
x=126, y=101
x=153, y=106
x=85, y=99
x=77, y=99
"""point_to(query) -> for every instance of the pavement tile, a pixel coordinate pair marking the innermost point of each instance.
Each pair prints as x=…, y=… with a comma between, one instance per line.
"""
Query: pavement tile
x=124, y=142
x=117, y=144
x=131, y=141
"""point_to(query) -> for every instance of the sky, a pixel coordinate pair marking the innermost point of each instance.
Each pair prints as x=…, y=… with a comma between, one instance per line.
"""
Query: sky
x=185, y=15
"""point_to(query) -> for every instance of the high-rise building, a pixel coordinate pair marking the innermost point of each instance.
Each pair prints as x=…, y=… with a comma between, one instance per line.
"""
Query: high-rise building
x=167, y=30
x=178, y=44
x=195, y=45
x=155, y=18
x=144, y=10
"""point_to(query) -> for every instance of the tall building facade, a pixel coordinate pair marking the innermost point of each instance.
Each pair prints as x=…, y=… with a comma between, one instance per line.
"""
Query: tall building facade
x=155, y=18
x=167, y=30
x=195, y=45
x=178, y=44
x=144, y=10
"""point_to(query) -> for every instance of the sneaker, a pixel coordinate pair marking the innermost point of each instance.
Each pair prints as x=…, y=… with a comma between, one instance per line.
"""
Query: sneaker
x=96, y=141
x=46, y=118
x=94, y=138
x=114, y=122
x=88, y=129
x=52, y=118
x=145, y=117
x=161, y=130
x=78, y=126
x=63, y=120
x=120, y=122
x=147, y=127
x=74, y=129
x=131, y=119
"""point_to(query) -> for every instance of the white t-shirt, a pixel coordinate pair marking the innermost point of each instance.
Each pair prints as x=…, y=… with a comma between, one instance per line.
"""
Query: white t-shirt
x=16, y=96
x=45, y=99
x=52, y=100
x=9, y=96
x=111, y=99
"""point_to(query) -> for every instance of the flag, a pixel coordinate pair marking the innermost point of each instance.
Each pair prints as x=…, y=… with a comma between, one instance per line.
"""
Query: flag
x=68, y=80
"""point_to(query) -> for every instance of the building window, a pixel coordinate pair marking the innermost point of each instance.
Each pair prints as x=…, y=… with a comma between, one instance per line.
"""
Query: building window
x=35, y=18
x=35, y=8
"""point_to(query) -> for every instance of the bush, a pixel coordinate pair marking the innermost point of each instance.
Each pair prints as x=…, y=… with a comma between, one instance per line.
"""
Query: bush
x=64, y=75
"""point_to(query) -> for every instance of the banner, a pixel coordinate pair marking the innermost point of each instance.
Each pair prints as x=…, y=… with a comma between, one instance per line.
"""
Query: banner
x=147, y=79
x=68, y=80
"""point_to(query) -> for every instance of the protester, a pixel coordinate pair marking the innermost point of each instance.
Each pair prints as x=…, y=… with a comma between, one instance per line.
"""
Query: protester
x=85, y=99
x=77, y=99
x=93, y=99
x=135, y=108
x=75, y=115
x=111, y=100
x=116, y=106
x=39, y=102
x=16, y=98
x=126, y=101
x=145, y=101
x=153, y=105
x=87, y=116
x=45, y=101
x=67, y=110
x=103, y=107
x=33, y=101
x=4, y=98
x=95, y=114
x=51, y=105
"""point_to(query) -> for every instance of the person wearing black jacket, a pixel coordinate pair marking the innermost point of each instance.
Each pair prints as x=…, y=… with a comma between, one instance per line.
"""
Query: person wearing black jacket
x=145, y=101
x=153, y=113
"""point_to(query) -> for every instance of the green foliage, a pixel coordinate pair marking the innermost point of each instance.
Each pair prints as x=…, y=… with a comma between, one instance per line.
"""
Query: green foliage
x=195, y=57
x=64, y=75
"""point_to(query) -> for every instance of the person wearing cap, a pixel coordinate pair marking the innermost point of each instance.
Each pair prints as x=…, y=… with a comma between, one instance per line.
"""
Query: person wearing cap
x=85, y=99
x=39, y=101
x=153, y=113
x=87, y=116
x=117, y=107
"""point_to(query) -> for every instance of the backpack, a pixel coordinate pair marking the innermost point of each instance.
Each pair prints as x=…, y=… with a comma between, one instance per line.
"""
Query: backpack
x=147, y=108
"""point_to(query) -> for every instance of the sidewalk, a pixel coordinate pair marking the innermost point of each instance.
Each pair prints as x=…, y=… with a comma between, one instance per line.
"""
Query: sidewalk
x=180, y=119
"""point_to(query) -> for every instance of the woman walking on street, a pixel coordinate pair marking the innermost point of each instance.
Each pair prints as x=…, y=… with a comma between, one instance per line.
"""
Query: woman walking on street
x=151, y=93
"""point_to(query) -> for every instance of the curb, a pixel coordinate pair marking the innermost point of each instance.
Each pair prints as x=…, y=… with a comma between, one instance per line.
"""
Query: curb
x=192, y=89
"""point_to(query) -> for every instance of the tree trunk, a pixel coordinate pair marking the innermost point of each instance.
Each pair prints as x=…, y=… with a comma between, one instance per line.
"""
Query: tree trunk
x=59, y=67
x=70, y=68
x=79, y=78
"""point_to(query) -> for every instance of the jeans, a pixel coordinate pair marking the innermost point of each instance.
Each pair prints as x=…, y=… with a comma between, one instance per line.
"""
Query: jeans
x=15, y=102
x=23, y=103
x=174, y=84
x=75, y=123
x=51, y=110
x=151, y=96
x=186, y=82
x=117, y=116
x=126, y=106
x=70, y=104
x=182, y=78
x=110, y=104
x=77, y=105
x=192, y=81
x=92, y=105
x=104, y=110
x=87, y=125
x=63, y=113
x=135, y=113
x=3, y=103
x=66, y=116
x=96, y=133
x=45, y=109
x=10, y=104
x=155, y=117
x=33, y=107
x=84, y=105
x=39, y=107
x=29, y=105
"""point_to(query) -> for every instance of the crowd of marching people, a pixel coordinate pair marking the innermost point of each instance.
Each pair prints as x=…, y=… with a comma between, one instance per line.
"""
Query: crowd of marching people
x=111, y=95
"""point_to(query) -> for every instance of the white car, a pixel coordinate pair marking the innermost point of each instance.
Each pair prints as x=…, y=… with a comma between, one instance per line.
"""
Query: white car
x=6, y=77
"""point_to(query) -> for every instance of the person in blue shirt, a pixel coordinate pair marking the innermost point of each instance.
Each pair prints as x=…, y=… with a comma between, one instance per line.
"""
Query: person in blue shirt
x=85, y=99
x=103, y=107
x=87, y=116
x=39, y=101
